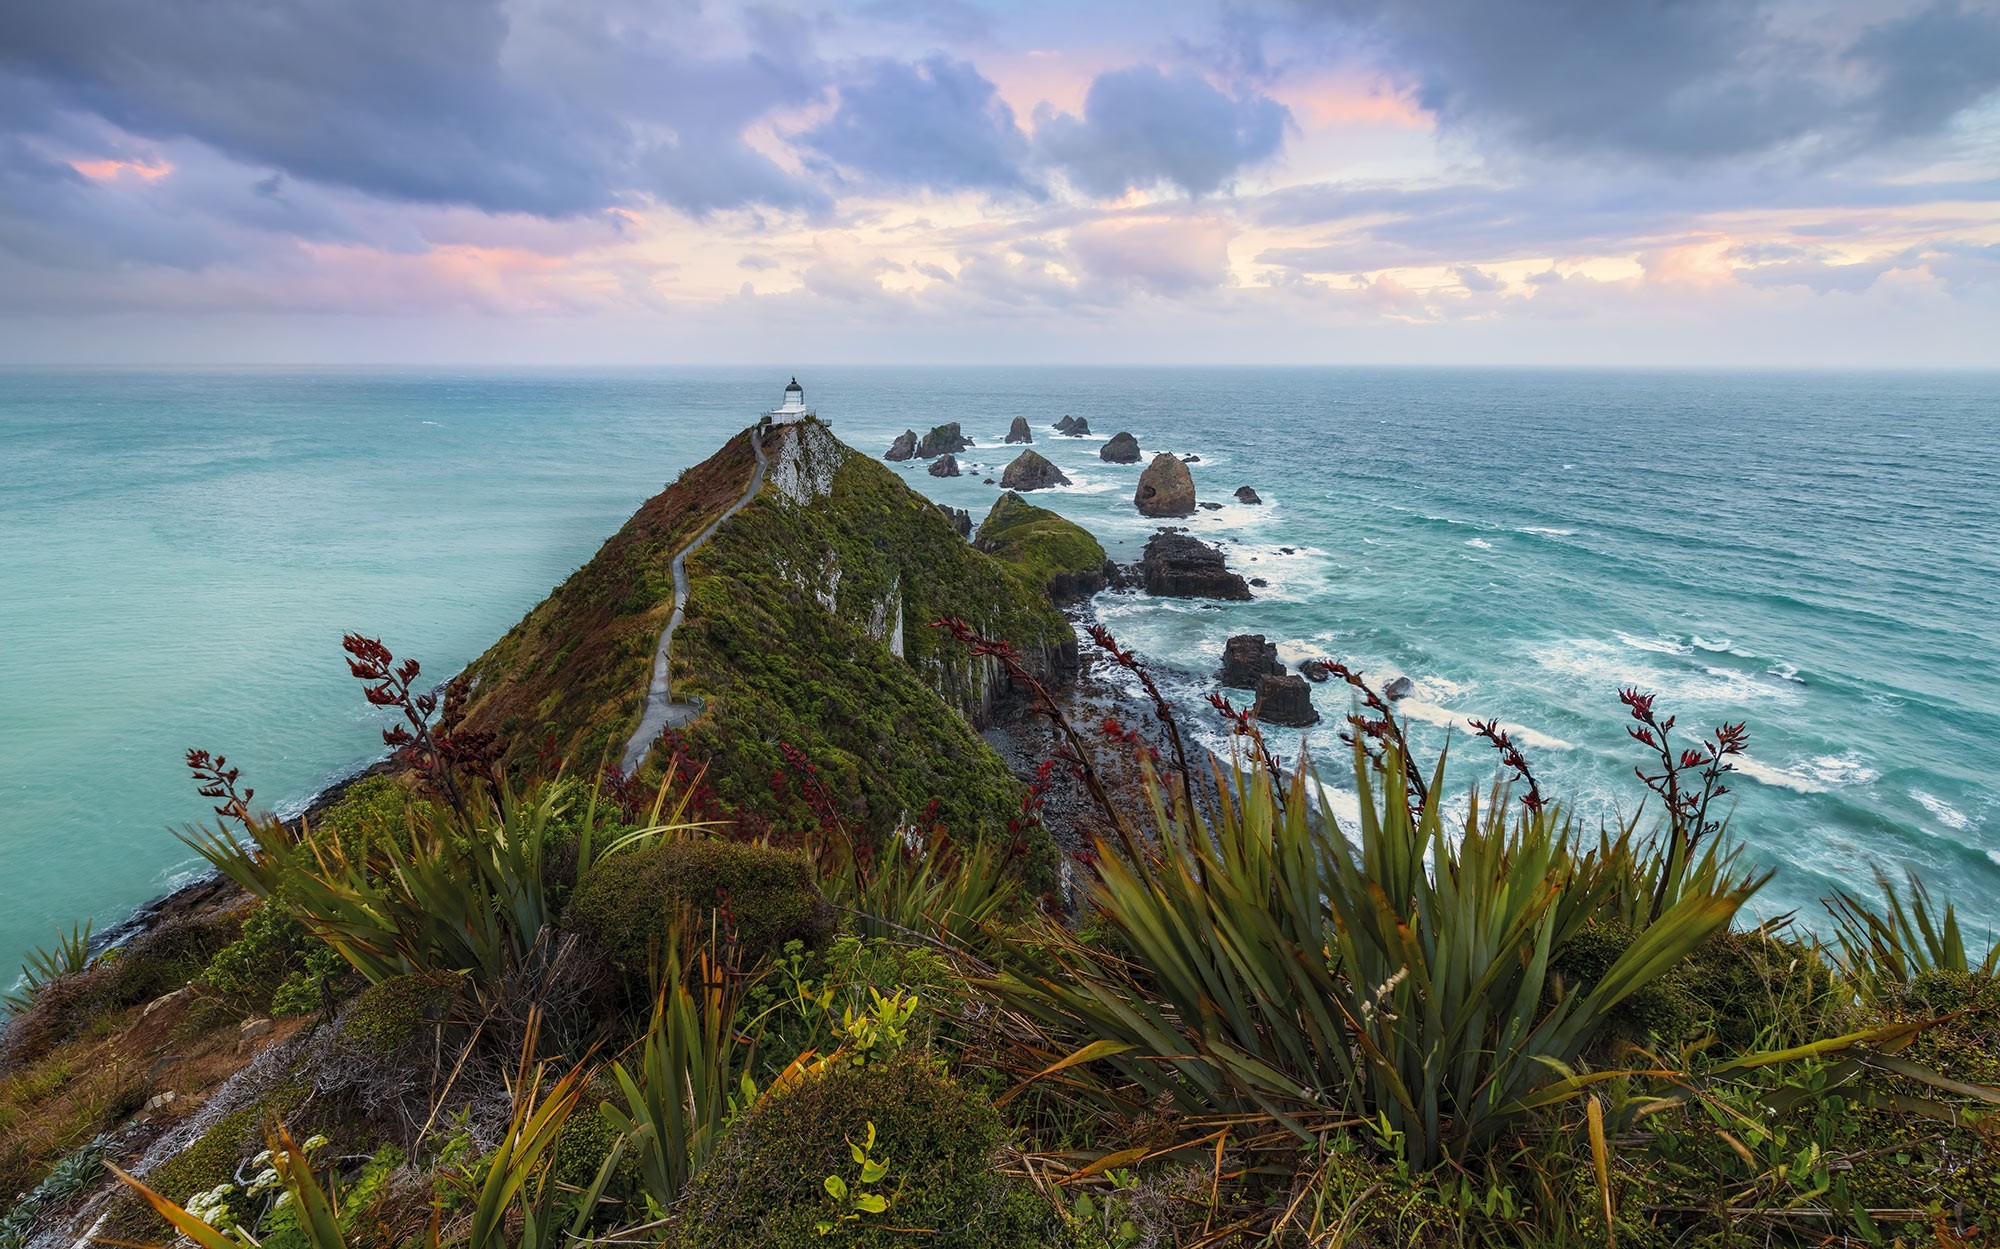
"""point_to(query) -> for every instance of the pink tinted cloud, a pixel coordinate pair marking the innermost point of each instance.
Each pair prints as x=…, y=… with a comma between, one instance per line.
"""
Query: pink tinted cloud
x=151, y=169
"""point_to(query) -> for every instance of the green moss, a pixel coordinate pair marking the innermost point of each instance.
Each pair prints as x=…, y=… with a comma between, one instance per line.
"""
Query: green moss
x=1057, y=554
x=632, y=902
x=764, y=1187
x=390, y=1014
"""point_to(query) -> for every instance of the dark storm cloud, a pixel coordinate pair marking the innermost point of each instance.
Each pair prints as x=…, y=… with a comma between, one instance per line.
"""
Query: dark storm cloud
x=1680, y=83
x=408, y=100
x=1142, y=127
x=938, y=123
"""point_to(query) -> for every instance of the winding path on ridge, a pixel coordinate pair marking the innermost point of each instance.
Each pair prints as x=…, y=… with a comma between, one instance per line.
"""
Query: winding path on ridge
x=662, y=712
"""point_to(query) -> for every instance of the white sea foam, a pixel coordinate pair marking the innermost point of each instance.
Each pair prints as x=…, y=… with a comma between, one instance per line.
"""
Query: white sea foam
x=1481, y=543
x=1445, y=717
x=1722, y=646
x=1662, y=646
x=1546, y=531
x=1847, y=769
x=1604, y=666
x=1785, y=672
x=1946, y=814
x=1765, y=774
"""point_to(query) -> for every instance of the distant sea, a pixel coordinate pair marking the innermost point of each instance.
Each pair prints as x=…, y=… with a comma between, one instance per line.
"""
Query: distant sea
x=1817, y=554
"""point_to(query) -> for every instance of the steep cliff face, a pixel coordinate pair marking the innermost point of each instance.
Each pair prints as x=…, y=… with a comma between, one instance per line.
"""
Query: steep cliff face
x=806, y=623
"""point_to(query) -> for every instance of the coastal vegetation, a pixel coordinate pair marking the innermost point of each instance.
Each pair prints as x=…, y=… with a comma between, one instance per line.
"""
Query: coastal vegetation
x=824, y=973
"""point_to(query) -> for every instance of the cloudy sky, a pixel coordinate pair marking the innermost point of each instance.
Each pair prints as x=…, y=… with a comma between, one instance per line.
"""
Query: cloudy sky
x=618, y=181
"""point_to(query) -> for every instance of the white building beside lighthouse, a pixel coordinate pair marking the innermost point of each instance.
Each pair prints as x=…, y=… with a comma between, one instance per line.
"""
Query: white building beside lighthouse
x=793, y=408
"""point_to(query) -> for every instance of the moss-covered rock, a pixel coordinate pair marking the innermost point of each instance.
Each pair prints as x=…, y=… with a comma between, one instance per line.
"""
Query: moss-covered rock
x=1055, y=553
x=766, y=1186
x=630, y=903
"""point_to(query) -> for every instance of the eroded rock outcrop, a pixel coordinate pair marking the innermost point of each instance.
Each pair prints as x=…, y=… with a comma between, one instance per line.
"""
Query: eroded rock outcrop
x=1122, y=449
x=904, y=447
x=1245, y=494
x=1064, y=425
x=1166, y=488
x=942, y=440
x=1398, y=687
x=945, y=465
x=1178, y=566
x=1032, y=471
x=1018, y=431
x=1247, y=658
x=1284, y=699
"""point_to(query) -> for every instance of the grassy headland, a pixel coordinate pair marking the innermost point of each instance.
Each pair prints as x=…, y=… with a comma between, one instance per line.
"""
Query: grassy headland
x=815, y=977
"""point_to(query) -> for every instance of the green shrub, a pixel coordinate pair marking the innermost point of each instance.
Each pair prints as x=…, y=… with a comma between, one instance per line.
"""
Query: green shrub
x=275, y=966
x=389, y=1015
x=632, y=903
x=373, y=812
x=766, y=1186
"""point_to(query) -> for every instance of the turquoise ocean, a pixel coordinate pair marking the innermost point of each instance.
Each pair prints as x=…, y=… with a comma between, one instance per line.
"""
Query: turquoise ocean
x=1817, y=554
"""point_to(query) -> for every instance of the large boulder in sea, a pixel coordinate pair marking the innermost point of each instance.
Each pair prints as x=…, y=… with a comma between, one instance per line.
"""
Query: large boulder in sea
x=1165, y=489
x=1057, y=554
x=1018, y=431
x=1398, y=688
x=1032, y=471
x=1078, y=428
x=1177, y=566
x=942, y=440
x=1122, y=449
x=1064, y=425
x=1284, y=698
x=1245, y=494
x=1246, y=659
x=904, y=447
x=945, y=466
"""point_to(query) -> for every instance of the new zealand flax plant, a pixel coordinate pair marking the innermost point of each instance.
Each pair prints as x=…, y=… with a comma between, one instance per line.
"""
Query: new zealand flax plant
x=469, y=892
x=1274, y=971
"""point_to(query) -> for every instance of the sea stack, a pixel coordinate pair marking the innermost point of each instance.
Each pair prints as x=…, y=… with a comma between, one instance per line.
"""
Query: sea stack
x=1122, y=449
x=1177, y=566
x=1063, y=426
x=904, y=447
x=1245, y=494
x=1284, y=699
x=1018, y=431
x=1032, y=471
x=945, y=466
x=1246, y=659
x=1165, y=488
x=1077, y=428
x=942, y=440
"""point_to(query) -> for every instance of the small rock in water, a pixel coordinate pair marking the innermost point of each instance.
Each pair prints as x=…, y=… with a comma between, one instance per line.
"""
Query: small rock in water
x=1032, y=471
x=941, y=440
x=1286, y=550
x=1063, y=426
x=1178, y=566
x=1246, y=659
x=1259, y=582
x=904, y=447
x=1245, y=494
x=1398, y=687
x=1018, y=431
x=1165, y=488
x=1210, y=507
x=1123, y=448
x=1284, y=699
x=945, y=466
x=988, y=482
x=1078, y=428
x=1313, y=670
x=1190, y=459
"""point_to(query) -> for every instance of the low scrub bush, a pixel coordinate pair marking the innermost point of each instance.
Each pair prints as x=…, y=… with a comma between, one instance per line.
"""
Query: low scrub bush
x=636, y=905
x=822, y=1153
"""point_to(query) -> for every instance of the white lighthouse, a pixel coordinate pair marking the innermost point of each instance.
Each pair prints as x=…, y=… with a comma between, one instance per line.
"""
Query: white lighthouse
x=793, y=408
